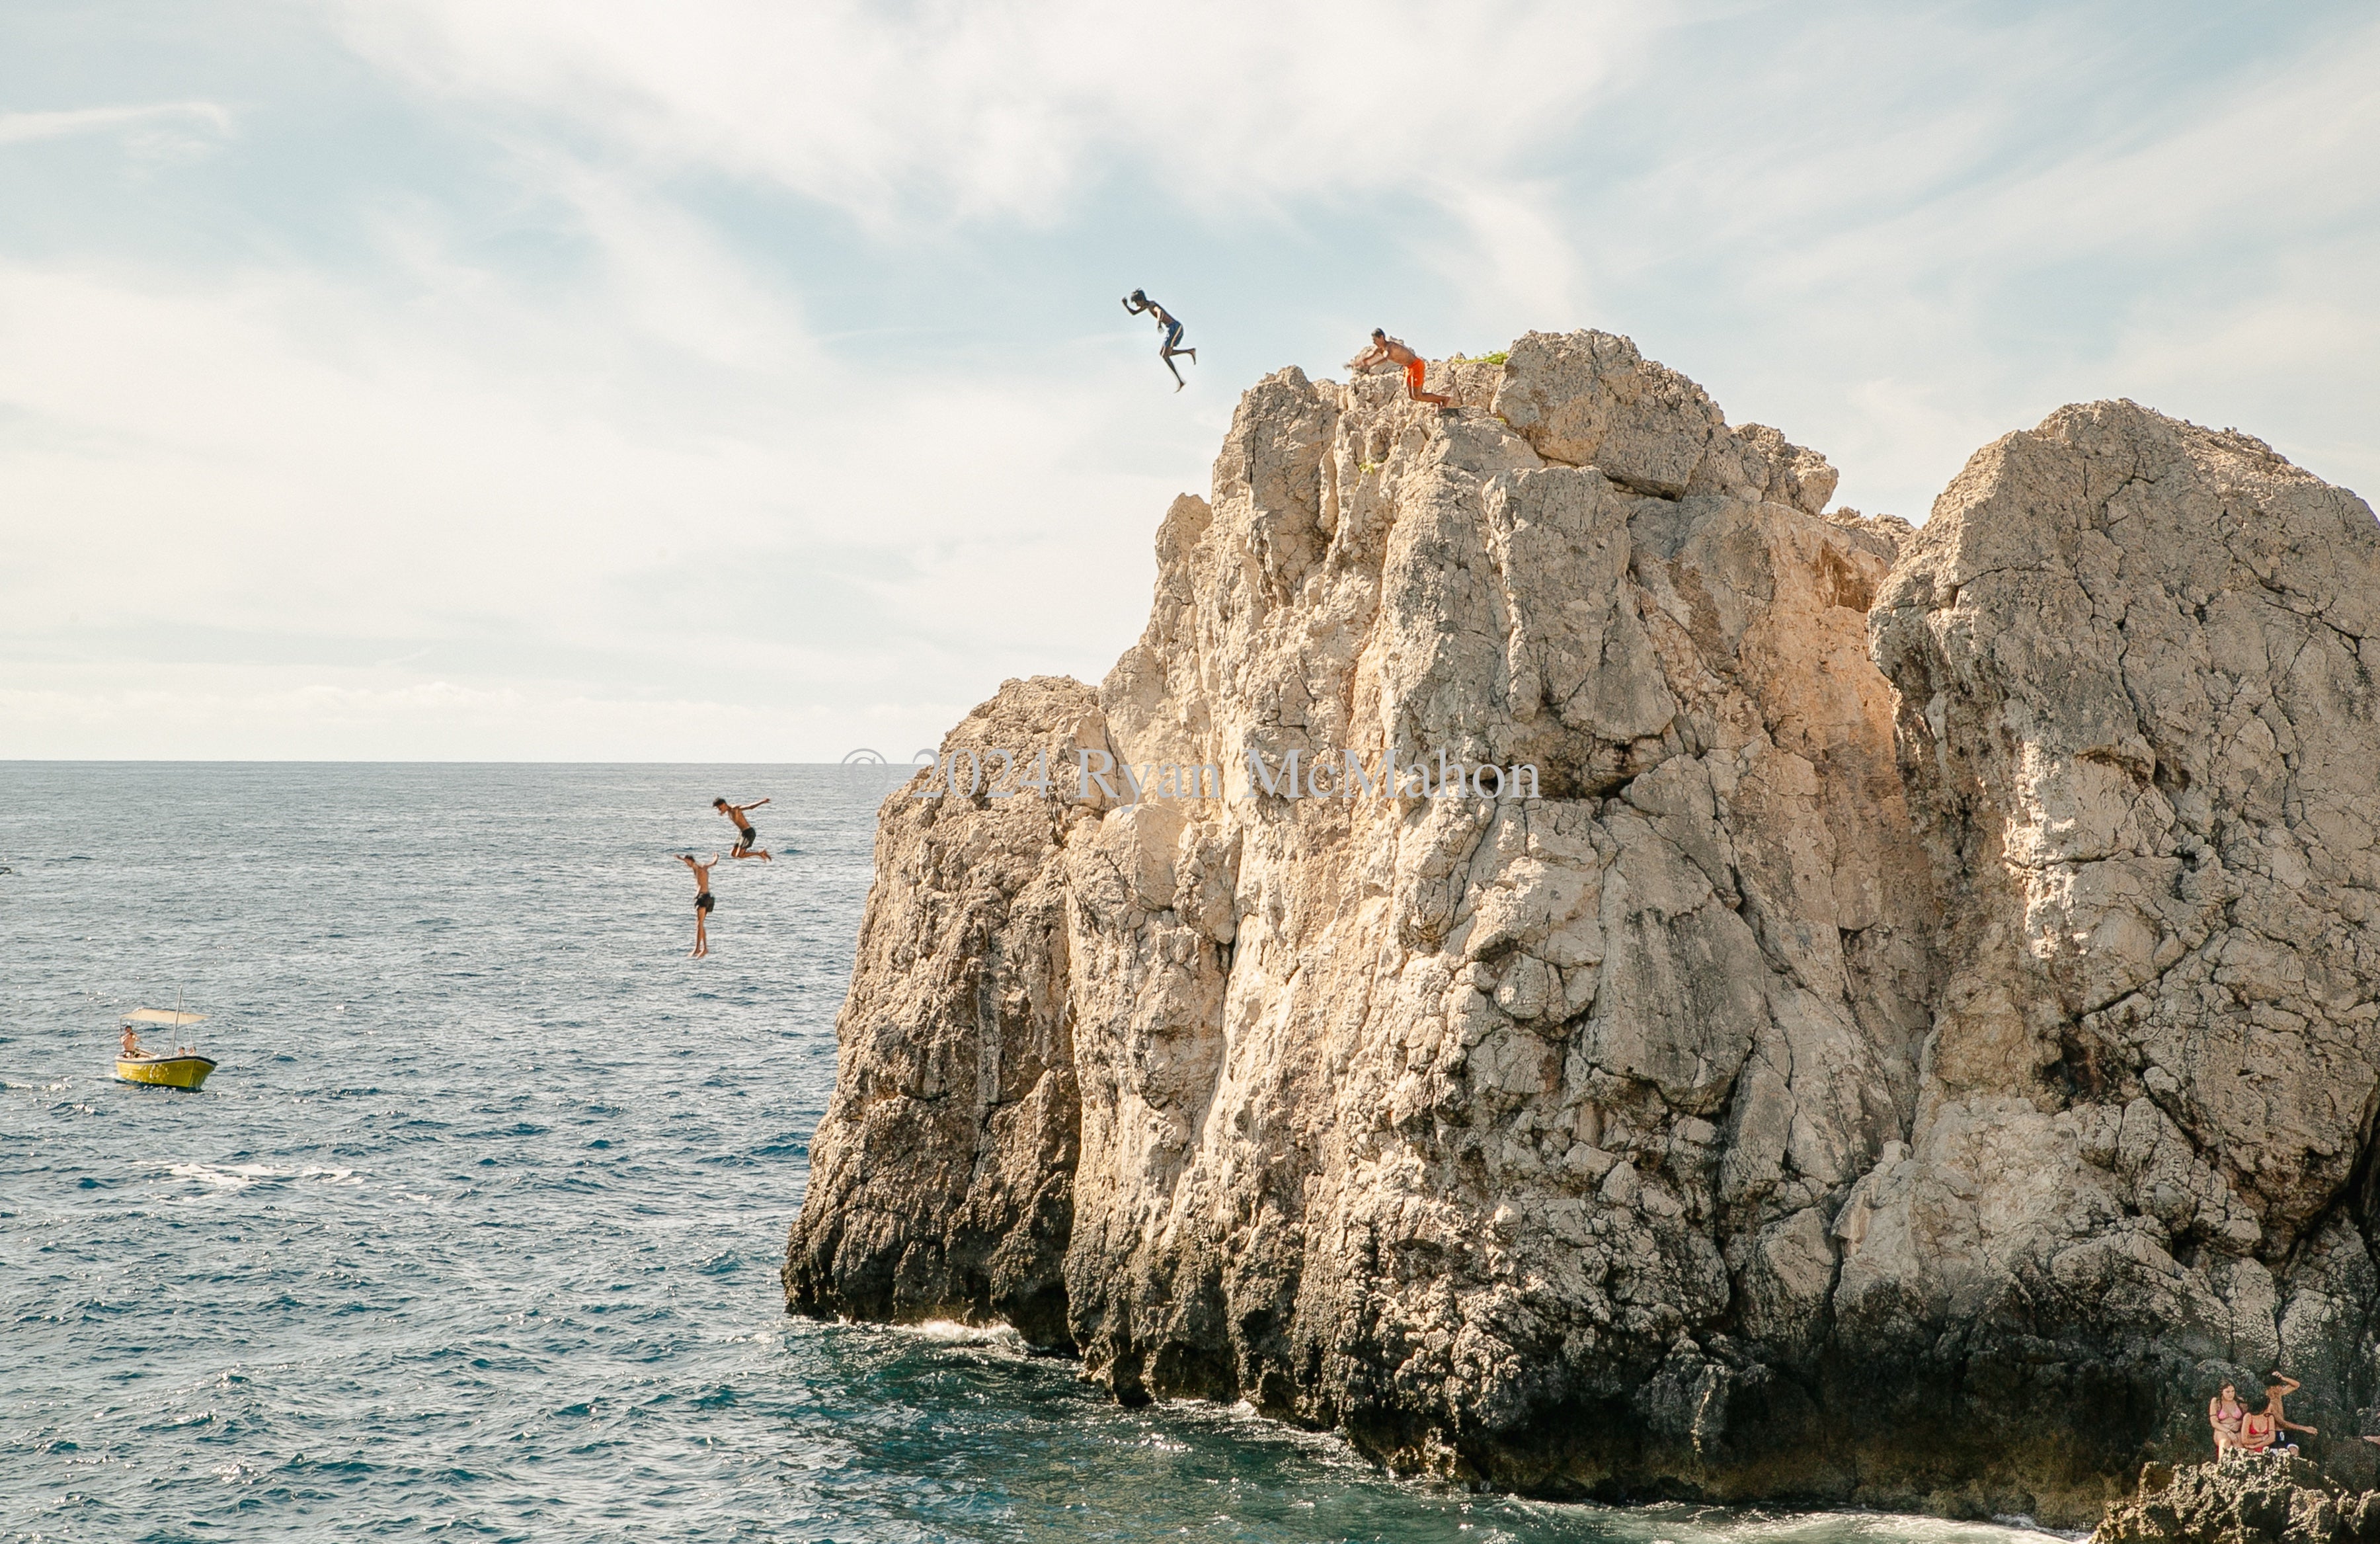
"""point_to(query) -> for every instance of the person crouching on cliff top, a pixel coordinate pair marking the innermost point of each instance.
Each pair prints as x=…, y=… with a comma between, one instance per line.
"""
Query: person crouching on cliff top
x=1386, y=349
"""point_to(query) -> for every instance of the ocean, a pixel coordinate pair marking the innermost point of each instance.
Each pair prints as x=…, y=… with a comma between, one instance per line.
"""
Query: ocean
x=475, y=1232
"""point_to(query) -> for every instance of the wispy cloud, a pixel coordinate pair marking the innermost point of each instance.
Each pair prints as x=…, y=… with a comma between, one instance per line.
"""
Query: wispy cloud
x=645, y=475
x=614, y=379
x=1991, y=214
x=154, y=128
x=946, y=111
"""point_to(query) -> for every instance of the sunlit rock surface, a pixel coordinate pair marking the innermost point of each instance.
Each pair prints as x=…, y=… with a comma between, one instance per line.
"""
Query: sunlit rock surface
x=1919, y=1034
x=2272, y=1499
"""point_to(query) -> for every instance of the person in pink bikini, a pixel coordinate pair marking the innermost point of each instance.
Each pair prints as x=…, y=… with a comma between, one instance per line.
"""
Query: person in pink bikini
x=2225, y=1413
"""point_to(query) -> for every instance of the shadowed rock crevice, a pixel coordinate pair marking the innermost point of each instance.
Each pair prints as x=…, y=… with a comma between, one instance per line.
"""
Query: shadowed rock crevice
x=1923, y=1030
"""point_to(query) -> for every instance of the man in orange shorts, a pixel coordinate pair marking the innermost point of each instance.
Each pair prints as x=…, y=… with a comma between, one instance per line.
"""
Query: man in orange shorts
x=1392, y=351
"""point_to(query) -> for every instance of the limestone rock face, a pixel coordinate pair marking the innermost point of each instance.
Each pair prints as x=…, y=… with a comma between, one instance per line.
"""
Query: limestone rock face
x=2137, y=715
x=1913, y=1027
x=940, y=1181
x=2268, y=1500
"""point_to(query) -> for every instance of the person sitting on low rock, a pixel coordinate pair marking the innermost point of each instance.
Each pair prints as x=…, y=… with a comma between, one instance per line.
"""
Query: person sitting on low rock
x=2225, y=1413
x=2280, y=1421
x=2255, y=1434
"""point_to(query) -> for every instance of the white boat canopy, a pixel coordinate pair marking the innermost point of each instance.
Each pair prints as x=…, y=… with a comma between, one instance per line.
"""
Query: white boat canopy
x=161, y=1015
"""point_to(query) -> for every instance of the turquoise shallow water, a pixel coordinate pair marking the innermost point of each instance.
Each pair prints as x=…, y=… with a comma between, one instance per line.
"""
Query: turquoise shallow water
x=474, y=1232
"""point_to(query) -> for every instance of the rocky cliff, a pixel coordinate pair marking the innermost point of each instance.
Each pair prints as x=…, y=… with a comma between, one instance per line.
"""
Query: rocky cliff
x=1913, y=1038
x=2270, y=1499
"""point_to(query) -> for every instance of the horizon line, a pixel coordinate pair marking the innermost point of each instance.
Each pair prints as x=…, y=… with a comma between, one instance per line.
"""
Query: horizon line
x=393, y=761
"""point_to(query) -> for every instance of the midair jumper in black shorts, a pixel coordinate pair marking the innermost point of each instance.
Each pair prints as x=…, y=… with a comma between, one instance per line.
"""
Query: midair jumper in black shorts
x=752, y=837
x=703, y=902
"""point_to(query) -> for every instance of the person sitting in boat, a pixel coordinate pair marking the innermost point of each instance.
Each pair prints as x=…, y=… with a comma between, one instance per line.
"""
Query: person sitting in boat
x=133, y=1042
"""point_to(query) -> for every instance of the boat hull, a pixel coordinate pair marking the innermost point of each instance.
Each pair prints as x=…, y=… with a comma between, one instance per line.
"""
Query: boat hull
x=164, y=1072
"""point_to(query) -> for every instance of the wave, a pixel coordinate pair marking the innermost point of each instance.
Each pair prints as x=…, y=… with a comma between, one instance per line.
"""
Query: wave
x=950, y=1332
x=239, y=1176
x=1685, y=1523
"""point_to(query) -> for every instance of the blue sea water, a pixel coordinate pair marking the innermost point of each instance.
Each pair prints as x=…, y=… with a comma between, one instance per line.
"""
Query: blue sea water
x=475, y=1232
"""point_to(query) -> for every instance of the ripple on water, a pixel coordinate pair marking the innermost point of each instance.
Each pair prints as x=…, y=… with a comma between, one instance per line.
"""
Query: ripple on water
x=474, y=1234
x=239, y=1176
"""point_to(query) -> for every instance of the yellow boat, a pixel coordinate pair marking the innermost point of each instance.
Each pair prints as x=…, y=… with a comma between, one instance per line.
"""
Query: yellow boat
x=182, y=1068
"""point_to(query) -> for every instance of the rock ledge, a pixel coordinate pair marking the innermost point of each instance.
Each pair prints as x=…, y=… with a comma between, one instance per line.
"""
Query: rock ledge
x=2272, y=1500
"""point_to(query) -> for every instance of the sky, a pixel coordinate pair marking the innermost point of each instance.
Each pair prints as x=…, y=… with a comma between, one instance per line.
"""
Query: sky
x=745, y=381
